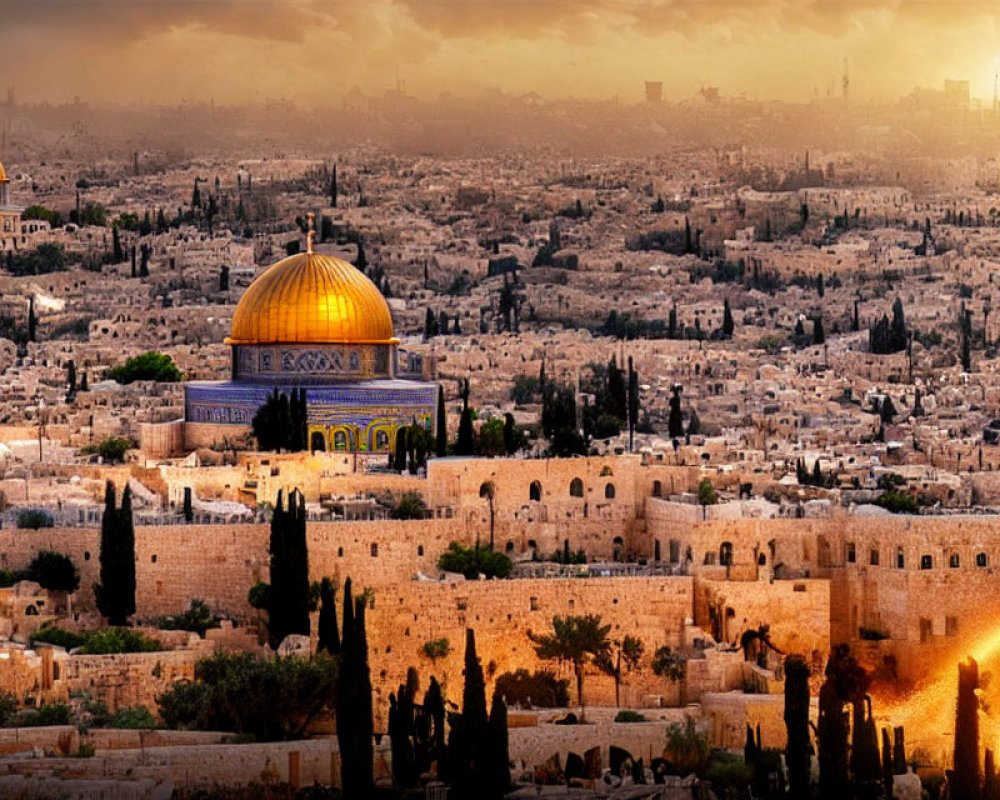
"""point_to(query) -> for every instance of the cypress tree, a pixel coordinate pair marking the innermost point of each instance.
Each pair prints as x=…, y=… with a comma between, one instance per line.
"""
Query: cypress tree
x=819, y=337
x=468, y=743
x=633, y=402
x=117, y=245
x=964, y=779
x=115, y=594
x=224, y=278
x=675, y=422
x=797, y=724
x=32, y=319
x=133, y=260
x=333, y=187
x=672, y=323
x=727, y=319
x=327, y=633
x=354, y=702
x=289, y=612
x=71, y=377
x=399, y=462
x=498, y=764
x=441, y=448
x=466, y=444
x=887, y=773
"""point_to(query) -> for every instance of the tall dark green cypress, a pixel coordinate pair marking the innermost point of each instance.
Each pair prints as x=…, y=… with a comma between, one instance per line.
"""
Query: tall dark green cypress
x=399, y=461
x=116, y=240
x=498, y=757
x=633, y=402
x=354, y=702
x=727, y=320
x=32, y=319
x=289, y=611
x=468, y=744
x=327, y=633
x=797, y=724
x=441, y=449
x=964, y=780
x=115, y=594
x=333, y=187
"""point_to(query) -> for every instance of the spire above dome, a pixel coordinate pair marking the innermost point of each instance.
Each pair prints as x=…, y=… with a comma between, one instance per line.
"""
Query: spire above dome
x=310, y=298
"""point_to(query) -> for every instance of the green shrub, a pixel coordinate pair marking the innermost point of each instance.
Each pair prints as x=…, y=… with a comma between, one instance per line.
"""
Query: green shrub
x=118, y=640
x=10, y=577
x=898, y=502
x=60, y=637
x=150, y=366
x=34, y=518
x=86, y=750
x=259, y=596
x=668, y=664
x=198, y=618
x=540, y=689
x=729, y=774
x=54, y=571
x=629, y=716
x=410, y=506
x=49, y=714
x=473, y=561
x=113, y=449
x=437, y=648
x=133, y=718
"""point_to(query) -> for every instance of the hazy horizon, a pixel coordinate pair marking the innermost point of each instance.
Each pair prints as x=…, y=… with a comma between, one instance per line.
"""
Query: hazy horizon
x=315, y=51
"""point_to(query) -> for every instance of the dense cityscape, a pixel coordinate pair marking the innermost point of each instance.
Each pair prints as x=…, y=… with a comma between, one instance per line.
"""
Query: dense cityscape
x=501, y=444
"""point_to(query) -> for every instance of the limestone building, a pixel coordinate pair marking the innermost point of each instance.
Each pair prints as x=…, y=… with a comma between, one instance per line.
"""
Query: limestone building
x=10, y=216
x=314, y=322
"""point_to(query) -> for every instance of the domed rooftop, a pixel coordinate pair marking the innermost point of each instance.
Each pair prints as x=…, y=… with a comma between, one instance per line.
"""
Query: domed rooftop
x=311, y=298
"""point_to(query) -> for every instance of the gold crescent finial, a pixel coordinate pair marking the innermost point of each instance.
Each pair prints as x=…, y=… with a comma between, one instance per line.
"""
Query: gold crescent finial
x=311, y=232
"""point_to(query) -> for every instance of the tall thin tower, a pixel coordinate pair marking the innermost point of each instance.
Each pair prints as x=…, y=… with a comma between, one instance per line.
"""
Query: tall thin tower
x=846, y=84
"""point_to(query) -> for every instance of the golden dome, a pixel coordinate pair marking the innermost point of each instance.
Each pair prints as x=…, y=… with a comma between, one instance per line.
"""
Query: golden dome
x=315, y=299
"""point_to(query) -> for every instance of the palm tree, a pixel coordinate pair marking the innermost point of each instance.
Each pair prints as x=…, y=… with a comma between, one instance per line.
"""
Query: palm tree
x=576, y=639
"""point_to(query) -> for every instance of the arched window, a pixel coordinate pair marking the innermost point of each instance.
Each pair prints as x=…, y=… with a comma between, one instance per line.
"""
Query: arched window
x=535, y=491
x=981, y=560
x=339, y=440
x=576, y=488
x=873, y=557
x=609, y=491
x=900, y=558
x=340, y=552
x=317, y=442
x=381, y=440
x=420, y=549
x=726, y=554
x=606, y=471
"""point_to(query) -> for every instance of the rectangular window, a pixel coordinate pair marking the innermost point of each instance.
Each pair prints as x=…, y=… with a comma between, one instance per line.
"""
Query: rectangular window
x=852, y=556
x=873, y=558
x=951, y=626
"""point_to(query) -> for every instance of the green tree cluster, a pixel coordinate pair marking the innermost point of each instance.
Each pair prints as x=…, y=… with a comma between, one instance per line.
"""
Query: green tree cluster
x=54, y=571
x=268, y=699
x=47, y=257
x=474, y=561
x=538, y=689
x=151, y=366
x=282, y=422
x=577, y=640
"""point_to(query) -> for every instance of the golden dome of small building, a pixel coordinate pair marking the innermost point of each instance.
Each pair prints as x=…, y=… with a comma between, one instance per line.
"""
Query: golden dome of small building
x=312, y=298
x=316, y=324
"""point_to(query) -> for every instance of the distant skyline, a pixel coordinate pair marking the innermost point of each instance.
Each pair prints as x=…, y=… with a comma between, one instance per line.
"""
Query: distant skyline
x=314, y=51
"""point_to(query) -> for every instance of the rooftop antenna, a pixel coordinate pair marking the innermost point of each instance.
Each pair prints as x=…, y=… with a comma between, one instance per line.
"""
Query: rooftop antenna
x=310, y=232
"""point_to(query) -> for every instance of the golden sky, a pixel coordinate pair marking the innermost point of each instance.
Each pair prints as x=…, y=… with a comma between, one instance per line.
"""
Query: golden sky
x=314, y=51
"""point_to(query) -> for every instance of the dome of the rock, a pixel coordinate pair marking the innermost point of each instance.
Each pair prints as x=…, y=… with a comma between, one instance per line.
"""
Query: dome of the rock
x=312, y=298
